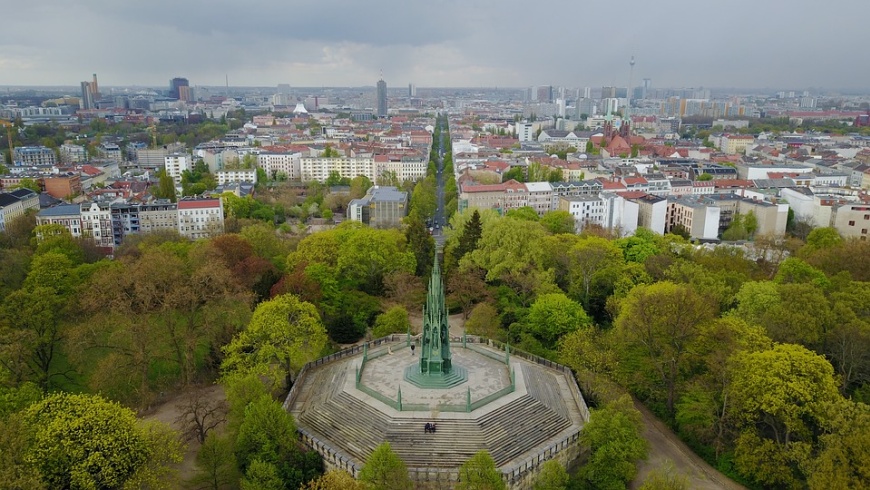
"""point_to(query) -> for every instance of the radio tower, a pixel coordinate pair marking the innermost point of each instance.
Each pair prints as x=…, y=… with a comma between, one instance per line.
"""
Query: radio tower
x=626, y=133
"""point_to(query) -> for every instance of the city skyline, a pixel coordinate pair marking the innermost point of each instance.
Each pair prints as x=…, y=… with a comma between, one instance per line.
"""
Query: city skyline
x=675, y=43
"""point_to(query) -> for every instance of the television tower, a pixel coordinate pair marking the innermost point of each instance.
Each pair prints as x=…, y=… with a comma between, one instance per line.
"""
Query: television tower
x=628, y=97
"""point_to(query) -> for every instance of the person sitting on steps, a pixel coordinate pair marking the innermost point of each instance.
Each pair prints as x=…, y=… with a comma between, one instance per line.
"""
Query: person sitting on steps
x=427, y=428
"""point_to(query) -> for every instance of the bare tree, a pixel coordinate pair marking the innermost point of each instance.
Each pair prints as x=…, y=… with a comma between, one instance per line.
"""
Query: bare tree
x=198, y=414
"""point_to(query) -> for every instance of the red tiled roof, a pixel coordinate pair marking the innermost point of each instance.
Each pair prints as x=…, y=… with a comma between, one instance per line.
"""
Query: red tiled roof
x=199, y=204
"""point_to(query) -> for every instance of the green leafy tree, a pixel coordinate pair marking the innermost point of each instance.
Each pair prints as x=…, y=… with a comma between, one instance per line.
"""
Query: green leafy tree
x=367, y=255
x=359, y=185
x=613, y=436
x=85, y=441
x=480, y=473
x=283, y=334
x=216, y=463
x=421, y=243
x=384, y=470
x=661, y=320
x=335, y=480
x=28, y=183
x=842, y=460
x=165, y=187
x=553, y=315
x=779, y=397
x=526, y=213
x=552, y=477
x=515, y=173
x=261, y=475
x=557, y=222
x=588, y=258
x=268, y=434
x=484, y=321
x=394, y=320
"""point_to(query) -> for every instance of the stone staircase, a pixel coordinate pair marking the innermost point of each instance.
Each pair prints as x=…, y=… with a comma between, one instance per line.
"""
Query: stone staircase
x=542, y=386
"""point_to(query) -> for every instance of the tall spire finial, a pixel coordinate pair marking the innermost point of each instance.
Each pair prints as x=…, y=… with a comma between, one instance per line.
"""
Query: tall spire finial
x=435, y=352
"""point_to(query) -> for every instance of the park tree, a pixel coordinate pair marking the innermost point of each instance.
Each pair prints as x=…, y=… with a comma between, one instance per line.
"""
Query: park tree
x=335, y=480
x=558, y=222
x=480, y=473
x=793, y=270
x=703, y=409
x=553, y=315
x=405, y=289
x=613, y=437
x=588, y=258
x=394, y=320
x=847, y=340
x=261, y=475
x=483, y=321
x=368, y=255
x=85, y=441
x=661, y=320
x=467, y=288
x=779, y=400
x=384, y=470
x=284, y=333
x=552, y=476
x=843, y=458
x=471, y=233
x=507, y=245
x=268, y=434
x=216, y=463
x=526, y=213
x=359, y=185
x=421, y=244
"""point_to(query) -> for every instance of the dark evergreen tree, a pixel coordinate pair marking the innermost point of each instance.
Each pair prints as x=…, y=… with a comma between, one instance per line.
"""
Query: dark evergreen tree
x=471, y=234
x=421, y=243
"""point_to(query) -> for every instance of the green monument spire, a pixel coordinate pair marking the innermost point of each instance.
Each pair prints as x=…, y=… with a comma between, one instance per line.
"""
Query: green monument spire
x=435, y=351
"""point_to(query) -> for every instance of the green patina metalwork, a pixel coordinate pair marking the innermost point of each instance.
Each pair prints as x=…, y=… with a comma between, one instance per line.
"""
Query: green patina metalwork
x=435, y=368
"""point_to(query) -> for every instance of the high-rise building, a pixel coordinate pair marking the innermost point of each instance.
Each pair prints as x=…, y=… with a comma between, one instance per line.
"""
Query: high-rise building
x=95, y=89
x=647, y=85
x=87, y=100
x=382, y=98
x=412, y=90
x=174, y=86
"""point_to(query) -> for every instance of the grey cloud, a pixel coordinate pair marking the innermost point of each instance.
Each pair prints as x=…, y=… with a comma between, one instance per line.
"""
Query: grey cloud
x=473, y=43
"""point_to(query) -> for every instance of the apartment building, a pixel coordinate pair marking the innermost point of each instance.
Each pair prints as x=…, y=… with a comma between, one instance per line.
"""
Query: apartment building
x=236, y=175
x=200, y=218
x=14, y=204
x=502, y=197
x=33, y=156
x=736, y=143
x=70, y=153
x=62, y=186
x=276, y=163
x=852, y=220
x=698, y=216
x=319, y=168
x=96, y=222
x=175, y=165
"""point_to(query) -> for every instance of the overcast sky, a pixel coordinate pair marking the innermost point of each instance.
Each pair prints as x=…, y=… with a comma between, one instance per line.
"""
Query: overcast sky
x=677, y=43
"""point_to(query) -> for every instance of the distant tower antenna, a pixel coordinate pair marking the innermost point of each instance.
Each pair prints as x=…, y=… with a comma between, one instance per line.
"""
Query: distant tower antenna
x=628, y=94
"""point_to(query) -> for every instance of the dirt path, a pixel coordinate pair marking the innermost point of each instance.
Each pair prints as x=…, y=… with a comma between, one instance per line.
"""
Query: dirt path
x=168, y=412
x=664, y=445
